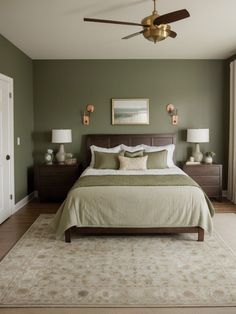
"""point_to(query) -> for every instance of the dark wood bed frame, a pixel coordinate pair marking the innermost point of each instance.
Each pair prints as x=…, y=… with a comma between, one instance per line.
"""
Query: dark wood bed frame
x=111, y=140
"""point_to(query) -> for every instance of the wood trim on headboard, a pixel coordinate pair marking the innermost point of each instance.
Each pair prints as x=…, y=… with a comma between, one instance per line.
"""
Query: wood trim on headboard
x=112, y=140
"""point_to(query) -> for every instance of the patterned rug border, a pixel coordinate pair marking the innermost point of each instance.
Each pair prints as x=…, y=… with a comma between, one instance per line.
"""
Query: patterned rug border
x=217, y=235
x=22, y=237
x=107, y=306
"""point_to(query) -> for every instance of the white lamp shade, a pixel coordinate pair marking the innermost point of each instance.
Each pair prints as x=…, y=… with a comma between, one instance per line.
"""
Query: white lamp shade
x=198, y=135
x=61, y=136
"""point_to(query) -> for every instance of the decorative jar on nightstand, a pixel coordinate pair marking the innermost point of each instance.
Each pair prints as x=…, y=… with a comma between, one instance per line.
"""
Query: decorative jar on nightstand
x=49, y=157
x=208, y=160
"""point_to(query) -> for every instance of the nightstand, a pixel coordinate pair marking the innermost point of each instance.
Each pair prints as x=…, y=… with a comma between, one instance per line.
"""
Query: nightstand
x=54, y=181
x=208, y=176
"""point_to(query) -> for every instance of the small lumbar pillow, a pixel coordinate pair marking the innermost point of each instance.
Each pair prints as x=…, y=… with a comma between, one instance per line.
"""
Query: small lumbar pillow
x=126, y=153
x=132, y=148
x=139, y=163
x=157, y=160
x=106, y=160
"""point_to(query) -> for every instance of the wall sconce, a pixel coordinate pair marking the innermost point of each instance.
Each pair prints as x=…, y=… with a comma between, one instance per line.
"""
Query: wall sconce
x=173, y=112
x=86, y=115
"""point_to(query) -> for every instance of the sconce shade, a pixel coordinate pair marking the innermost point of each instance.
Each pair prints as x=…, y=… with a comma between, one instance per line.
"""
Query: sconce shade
x=198, y=135
x=61, y=136
x=90, y=108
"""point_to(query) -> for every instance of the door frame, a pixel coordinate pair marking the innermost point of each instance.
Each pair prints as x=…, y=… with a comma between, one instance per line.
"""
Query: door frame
x=9, y=80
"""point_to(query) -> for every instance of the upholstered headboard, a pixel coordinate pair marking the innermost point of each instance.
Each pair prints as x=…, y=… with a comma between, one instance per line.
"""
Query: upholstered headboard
x=111, y=140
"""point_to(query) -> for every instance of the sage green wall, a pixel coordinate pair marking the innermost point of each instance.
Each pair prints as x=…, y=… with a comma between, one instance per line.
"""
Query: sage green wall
x=15, y=64
x=197, y=88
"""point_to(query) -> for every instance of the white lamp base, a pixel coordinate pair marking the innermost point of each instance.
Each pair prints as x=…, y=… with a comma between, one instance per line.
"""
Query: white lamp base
x=198, y=156
x=61, y=155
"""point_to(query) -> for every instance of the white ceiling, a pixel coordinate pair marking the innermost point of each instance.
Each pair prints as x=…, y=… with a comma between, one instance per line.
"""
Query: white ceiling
x=54, y=29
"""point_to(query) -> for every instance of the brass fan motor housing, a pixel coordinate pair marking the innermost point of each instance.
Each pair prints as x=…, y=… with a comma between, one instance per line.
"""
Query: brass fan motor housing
x=155, y=33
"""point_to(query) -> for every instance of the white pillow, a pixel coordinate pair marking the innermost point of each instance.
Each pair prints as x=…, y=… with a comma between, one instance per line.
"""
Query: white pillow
x=170, y=148
x=139, y=163
x=132, y=148
x=94, y=148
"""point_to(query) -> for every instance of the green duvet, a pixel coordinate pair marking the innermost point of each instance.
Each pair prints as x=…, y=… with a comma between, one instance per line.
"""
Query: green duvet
x=134, y=201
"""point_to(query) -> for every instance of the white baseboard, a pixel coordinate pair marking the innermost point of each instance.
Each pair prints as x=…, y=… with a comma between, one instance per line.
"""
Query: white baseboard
x=23, y=202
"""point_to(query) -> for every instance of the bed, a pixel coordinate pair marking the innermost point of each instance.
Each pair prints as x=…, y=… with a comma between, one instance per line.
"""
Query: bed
x=108, y=201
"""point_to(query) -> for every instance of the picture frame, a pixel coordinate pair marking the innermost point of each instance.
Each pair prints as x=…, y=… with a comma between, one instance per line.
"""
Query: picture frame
x=130, y=111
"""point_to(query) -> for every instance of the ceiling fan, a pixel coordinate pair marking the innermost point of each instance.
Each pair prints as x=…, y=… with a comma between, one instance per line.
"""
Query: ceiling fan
x=155, y=27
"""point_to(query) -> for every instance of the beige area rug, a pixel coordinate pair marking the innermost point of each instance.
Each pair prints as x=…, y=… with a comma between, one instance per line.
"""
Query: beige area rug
x=149, y=271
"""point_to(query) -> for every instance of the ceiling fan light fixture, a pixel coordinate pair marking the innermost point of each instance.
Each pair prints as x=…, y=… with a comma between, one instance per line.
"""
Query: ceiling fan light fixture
x=157, y=34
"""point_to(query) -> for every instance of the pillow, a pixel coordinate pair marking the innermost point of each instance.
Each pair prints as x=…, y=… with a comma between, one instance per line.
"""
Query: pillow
x=157, y=160
x=94, y=148
x=132, y=148
x=106, y=160
x=170, y=148
x=139, y=163
x=138, y=153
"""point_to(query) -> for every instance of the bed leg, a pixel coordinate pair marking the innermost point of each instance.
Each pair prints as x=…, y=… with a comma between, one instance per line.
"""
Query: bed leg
x=68, y=236
x=200, y=234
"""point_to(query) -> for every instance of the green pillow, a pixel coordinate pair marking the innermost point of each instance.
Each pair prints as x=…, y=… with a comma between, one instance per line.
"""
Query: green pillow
x=106, y=160
x=138, y=153
x=157, y=160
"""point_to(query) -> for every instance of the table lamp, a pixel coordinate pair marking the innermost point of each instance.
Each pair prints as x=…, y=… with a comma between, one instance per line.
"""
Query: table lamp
x=197, y=136
x=61, y=136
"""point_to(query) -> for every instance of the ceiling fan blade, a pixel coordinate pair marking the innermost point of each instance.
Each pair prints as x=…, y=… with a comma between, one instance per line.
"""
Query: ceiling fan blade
x=171, y=17
x=87, y=19
x=133, y=35
x=172, y=34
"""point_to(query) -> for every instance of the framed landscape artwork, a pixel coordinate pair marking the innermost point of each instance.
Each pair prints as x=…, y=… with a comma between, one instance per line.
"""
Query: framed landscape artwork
x=130, y=111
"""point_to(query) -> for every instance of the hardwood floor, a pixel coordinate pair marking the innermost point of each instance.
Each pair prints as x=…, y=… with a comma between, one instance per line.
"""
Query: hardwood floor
x=14, y=227
x=224, y=207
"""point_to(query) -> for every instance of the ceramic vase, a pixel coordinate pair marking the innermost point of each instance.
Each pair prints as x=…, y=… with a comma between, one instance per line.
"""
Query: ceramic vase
x=208, y=160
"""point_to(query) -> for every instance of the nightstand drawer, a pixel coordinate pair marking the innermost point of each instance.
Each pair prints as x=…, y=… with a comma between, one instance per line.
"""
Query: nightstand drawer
x=52, y=194
x=209, y=177
x=207, y=181
x=56, y=180
x=202, y=170
x=56, y=170
x=212, y=191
